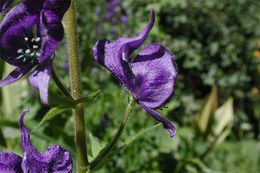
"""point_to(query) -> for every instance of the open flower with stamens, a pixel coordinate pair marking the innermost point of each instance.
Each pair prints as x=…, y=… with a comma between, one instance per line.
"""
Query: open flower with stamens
x=150, y=76
x=55, y=159
x=29, y=35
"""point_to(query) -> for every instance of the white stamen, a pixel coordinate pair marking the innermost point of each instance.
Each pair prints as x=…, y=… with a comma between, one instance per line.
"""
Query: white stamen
x=38, y=54
x=19, y=57
x=20, y=51
x=24, y=59
x=26, y=39
x=32, y=54
x=37, y=39
x=35, y=46
x=27, y=51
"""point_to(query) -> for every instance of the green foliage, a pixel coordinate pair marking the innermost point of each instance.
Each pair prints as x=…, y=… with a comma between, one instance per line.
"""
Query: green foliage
x=214, y=43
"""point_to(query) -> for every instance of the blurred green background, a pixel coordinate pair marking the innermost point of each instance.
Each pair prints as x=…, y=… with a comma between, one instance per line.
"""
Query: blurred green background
x=216, y=106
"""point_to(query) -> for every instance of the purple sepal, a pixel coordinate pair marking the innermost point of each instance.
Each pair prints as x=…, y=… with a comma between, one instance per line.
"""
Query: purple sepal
x=55, y=159
x=166, y=123
x=15, y=75
x=40, y=79
x=10, y=163
x=155, y=75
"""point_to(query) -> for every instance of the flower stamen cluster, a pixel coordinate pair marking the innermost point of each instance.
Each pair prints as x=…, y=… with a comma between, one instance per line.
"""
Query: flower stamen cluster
x=32, y=51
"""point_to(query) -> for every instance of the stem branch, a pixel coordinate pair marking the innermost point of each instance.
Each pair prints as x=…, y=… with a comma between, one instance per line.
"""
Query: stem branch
x=113, y=142
x=59, y=84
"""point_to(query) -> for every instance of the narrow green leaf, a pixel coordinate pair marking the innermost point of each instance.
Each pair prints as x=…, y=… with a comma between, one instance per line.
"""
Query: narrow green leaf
x=88, y=98
x=65, y=106
x=223, y=117
x=52, y=113
x=205, y=117
x=57, y=100
x=95, y=146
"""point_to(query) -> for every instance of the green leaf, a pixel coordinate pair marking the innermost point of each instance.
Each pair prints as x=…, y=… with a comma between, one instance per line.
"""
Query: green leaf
x=52, y=113
x=57, y=100
x=88, y=98
x=105, y=159
x=95, y=146
x=66, y=105
x=223, y=117
x=205, y=117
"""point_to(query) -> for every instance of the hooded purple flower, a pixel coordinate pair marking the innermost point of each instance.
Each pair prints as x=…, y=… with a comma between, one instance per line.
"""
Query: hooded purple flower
x=150, y=76
x=4, y=4
x=29, y=35
x=55, y=159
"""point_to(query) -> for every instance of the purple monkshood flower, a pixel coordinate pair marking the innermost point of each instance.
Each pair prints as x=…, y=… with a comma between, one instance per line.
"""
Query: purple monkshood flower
x=4, y=4
x=29, y=35
x=150, y=76
x=55, y=159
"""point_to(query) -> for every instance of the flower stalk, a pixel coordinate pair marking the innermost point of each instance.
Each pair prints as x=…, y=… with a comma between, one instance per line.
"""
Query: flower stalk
x=74, y=68
x=104, y=152
x=59, y=84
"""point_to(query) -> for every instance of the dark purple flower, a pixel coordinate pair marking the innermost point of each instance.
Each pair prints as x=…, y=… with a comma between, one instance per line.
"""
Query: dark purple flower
x=150, y=76
x=55, y=159
x=29, y=35
x=4, y=4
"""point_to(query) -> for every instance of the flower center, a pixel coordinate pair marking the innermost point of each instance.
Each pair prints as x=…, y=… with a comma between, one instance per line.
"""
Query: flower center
x=31, y=52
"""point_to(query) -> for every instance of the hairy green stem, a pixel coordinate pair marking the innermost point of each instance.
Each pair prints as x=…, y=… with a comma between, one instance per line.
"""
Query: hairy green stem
x=103, y=153
x=74, y=67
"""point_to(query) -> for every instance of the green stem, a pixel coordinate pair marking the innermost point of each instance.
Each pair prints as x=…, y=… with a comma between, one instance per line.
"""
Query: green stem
x=113, y=142
x=74, y=67
x=59, y=84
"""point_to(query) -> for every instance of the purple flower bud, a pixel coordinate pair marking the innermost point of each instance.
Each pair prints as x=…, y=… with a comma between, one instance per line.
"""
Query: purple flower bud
x=150, y=76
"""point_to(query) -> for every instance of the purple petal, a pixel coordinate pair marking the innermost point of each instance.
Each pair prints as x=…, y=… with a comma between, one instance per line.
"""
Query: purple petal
x=4, y=4
x=104, y=54
x=155, y=74
x=166, y=123
x=112, y=55
x=51, y=28
x=6, y=169
x=10, y=163
x=57, y=6
x=40, y=79
x=52, y=33
x=55, y=159
x=15, y=75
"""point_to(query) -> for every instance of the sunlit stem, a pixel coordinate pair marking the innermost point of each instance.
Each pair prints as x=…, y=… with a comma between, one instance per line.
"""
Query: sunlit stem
x=74, y=68
x=115, y=139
